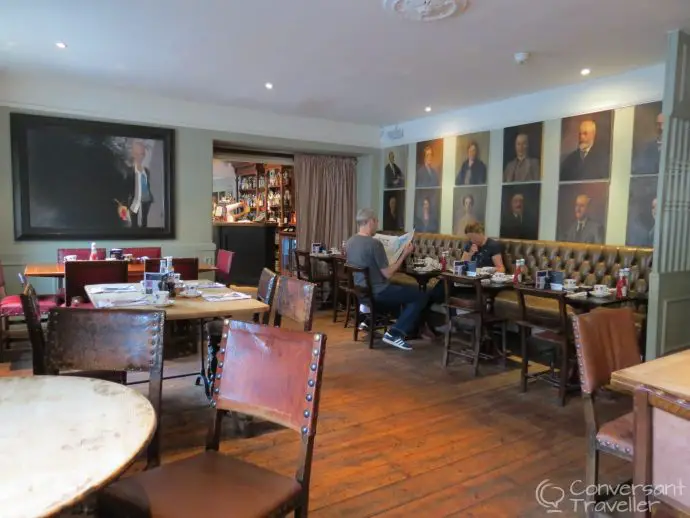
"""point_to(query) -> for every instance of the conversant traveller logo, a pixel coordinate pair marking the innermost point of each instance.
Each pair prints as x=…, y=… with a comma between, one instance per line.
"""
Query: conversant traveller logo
x=579, y=496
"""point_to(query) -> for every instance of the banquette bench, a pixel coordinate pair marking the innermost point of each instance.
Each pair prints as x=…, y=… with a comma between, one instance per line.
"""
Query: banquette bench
x=587, y=263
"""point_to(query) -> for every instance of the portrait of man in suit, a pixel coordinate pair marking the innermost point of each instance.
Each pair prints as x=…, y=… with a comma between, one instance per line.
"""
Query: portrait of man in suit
x=472, y=154
x=394, y=210
x=591, y=158
x=584, y=229
x=137, y=192
x=522, y=151
x=647, y=134
x=430, y=163
x=520, y=211
x=393, y=172
x=642, y=207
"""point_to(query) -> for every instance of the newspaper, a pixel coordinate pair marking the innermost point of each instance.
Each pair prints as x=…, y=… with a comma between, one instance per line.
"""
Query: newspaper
x=394, y=245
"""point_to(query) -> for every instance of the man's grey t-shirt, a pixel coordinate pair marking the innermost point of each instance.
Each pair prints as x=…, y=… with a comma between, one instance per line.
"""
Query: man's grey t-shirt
x=367, y=252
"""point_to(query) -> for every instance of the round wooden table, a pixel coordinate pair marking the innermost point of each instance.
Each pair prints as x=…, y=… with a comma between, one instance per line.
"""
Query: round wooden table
x=62, y=437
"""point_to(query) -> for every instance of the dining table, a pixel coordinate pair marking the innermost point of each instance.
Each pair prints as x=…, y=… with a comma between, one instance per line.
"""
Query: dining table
x=135, y=270
x=64, y=437
x=213, y=300
x=670, y=374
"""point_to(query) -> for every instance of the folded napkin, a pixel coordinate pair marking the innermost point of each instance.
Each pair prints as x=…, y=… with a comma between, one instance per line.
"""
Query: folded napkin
x=223, y=297
x=110, y=303
x=115, y=289
x=578, y=295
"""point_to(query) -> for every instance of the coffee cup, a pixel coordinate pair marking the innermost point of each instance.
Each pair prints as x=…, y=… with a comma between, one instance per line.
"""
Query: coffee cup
x=191, y=291
x=570, y=284
x=601, y=289
x=161, y=297
x=70, y=258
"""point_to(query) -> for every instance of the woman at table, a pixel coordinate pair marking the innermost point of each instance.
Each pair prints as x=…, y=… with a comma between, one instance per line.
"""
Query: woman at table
x=484, y=250
x=480, y=248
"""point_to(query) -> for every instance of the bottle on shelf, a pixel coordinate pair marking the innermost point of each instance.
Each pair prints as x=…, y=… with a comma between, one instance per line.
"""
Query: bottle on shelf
x=93, y=256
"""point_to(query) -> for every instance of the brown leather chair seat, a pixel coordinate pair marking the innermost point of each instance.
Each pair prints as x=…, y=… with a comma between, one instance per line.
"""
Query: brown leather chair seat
x=210, y=485
x=617, y=435
x=404, y=279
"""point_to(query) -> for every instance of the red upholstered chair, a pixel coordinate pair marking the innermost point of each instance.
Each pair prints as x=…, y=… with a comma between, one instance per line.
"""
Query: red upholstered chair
x=187, y=267
x=11, y=311
x=270, y=373
x=83, y=254
x=82, y=273
x=152, y=252
x=224, y=264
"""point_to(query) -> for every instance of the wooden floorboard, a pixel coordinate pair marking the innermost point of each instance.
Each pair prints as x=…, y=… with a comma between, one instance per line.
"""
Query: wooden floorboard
x=398, y=435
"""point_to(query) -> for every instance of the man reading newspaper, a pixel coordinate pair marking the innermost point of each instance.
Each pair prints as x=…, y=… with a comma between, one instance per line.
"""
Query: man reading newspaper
x=365, y=251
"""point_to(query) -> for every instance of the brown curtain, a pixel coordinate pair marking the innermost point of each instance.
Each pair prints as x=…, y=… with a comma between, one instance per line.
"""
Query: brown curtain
x=326, y=197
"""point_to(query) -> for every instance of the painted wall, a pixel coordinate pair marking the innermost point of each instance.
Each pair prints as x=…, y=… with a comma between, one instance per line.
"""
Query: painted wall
x=619, y=93
x=197, y=127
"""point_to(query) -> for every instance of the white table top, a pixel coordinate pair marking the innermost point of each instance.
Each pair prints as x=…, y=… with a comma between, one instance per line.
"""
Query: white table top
x=181, y=308
x=62, y=437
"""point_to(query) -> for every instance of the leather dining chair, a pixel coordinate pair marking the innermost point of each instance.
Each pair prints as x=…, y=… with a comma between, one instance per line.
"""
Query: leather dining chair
x=79, y=274
x=294, y=300
x=605, y=341
x=152, y=252
x=274, y=374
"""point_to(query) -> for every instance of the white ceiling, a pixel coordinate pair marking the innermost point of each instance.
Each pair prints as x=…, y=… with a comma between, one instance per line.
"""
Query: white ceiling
x=346, y=60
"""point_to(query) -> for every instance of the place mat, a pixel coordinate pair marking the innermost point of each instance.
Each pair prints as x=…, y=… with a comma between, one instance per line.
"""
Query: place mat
x=121, y=303
x=225, y=297
x=114, y=289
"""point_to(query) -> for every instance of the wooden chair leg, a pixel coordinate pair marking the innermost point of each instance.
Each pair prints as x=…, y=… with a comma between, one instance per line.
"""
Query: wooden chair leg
x=355, y=332
x=563, y=383
x=591, y=477
x=525, y=361
x=372, y=326
x=446, y=340
x=335, y=302
x=478, y=329
x=348, y=305
x=504, y=344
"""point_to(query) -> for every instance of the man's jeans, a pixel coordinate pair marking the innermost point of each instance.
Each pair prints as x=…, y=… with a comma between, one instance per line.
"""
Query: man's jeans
x=414, y=302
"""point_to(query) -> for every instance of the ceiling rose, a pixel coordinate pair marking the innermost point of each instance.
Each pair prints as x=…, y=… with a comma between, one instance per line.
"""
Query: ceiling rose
x=426, y=10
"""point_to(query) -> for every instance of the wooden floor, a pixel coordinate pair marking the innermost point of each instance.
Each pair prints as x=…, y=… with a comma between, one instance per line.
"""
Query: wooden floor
x=399, y=436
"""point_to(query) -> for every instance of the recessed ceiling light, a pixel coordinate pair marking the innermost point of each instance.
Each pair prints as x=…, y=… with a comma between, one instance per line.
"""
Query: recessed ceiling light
x=61, y=45
x=427, y=109
x=269, y=86
x=585, y=71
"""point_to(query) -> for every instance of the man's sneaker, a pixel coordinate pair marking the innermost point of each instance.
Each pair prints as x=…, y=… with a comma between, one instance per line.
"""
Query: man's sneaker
x=396, y=341
x=363, y=326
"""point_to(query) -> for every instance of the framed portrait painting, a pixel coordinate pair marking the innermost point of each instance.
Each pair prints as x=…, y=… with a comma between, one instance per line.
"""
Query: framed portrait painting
x=648, y=129
x=522, y=150
x=80, y=179
x=395, y=170
x=586, y=147
x=582, y=209
x=429, y=164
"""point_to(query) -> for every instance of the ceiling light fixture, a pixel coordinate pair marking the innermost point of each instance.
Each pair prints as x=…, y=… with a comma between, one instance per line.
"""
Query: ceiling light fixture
x=585, y=71
x=427, y=109
x=426, y=10
x=61, y=45
x=269, y=86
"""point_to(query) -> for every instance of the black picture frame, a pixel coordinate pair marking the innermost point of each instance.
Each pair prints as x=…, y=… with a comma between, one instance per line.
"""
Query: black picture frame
x=89, y=157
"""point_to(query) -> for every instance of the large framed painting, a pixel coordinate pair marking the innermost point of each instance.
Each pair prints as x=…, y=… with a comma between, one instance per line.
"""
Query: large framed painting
x=79, y=179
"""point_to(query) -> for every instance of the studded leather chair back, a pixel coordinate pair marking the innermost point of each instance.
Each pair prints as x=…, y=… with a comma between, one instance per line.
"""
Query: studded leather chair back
x=187, y=267
x=294, y=300
x=224, y=265
x=106, y=340
x=303, y=265
x=605, y=341
x=79, y=274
